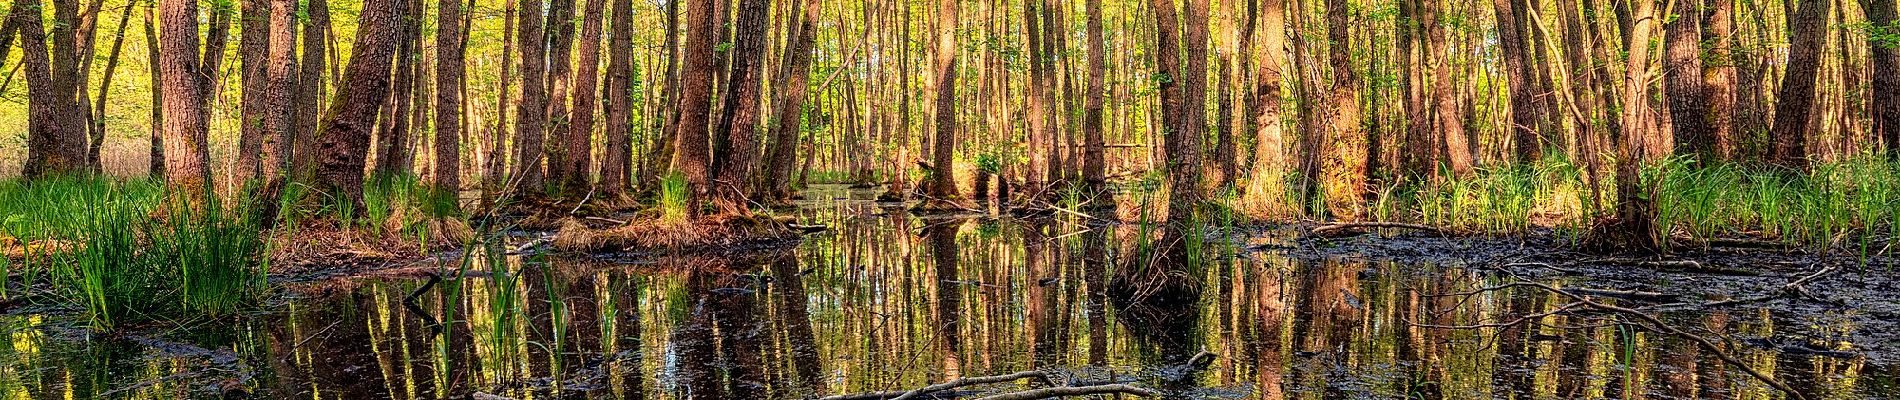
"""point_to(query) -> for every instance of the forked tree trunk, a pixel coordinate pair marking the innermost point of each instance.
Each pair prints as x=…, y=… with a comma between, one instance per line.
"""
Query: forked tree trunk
x=97, y=133
x=344, y=142
x=1633, y=227
x=1719, y=74
x=744, y=87
x=56, y=136
x=310, y=89
x=1524, y=105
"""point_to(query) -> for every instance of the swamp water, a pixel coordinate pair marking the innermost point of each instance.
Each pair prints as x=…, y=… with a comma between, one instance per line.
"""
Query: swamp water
x=887, y=301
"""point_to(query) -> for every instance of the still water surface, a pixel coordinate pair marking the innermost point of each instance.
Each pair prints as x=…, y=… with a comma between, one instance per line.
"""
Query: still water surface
x=888, y=301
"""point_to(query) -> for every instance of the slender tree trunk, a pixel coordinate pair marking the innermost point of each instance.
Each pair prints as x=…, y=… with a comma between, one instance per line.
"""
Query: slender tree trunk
x=1094, y=168
x=253, y=54
x=691, y=156
x=743, y=89
x=449, y=69
x=1688, y=101
x=580, y=135
x=1037, y=98
x=1449, y=118
x=392, y=143
x=615, y=168
x=310, y=89
x=186, y=167
x=97, y=138
x=155, y=162
x=1185, y=182
x=1886, y=85
x=796, y=76
x=1524, y=105
x=531, y=114
x=1790, y=132
x=942, y=186
x=1719, y=74
x=560, y=30
x=496, y=171
x=1633, y=228
x=344, y=142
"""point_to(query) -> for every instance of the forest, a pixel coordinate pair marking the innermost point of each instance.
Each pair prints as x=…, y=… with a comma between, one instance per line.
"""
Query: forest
x=987, y=199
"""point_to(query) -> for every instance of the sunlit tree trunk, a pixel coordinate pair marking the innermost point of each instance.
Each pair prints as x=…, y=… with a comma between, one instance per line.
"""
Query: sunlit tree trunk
x=1094, y=169
x=1524, y=105
x=942, y=186
x=344, y=142
x=186, y=169
x=1449, y=120
x=96, y=140
x=1633, y=227
x=744, y=87
x=1688, y=101
x=691, y=156
x=1805, y=42
x=1886, y=82
x=560, y=80
x=449, y=69
x=310, y=89
x=617, y=162
x=392, y=142
x=1269, y=154
x=1039, y=91
x=579, y=152
x=531, y=113
x=1719, y=74
x=56, y=131
x=1346, y=145
x=254, y=81
x=786, y=125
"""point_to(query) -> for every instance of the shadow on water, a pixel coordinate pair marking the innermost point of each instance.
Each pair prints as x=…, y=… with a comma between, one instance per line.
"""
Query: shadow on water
x=890, y=301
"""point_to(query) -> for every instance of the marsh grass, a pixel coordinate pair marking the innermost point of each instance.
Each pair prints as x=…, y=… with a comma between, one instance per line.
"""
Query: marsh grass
x=673, y=197
x=123, y=259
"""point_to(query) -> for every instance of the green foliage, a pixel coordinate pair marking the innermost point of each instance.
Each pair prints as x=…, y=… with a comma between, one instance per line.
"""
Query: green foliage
x=674, y=197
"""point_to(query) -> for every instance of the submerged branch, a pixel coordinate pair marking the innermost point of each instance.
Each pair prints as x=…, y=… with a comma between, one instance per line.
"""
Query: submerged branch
x=1335, y=229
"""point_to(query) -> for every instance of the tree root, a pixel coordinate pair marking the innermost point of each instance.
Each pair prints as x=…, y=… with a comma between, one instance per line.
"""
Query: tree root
x=1342, y=228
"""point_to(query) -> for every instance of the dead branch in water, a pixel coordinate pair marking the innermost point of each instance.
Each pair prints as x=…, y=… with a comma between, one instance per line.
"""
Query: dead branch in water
x=1053, y=389
x=1645, y=320
x=1334, y=229
x=1067, y=391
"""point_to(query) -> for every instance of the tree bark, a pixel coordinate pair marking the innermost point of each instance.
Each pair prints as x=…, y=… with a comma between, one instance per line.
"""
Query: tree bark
x=392, y=142
x=155, y=160
x=1719, y=75
x=691, y=156
x=741, y=118
x=560, y=30
x=56, y=136
x=449, y=69
x=580, y=135
x=615, y=168
x=1038, y=92
x=253, y=53
x=1524, y=105
x=1449, y=118
x=942, y=186
x=182, y=82
x=1688, y=101
x=1347, y=146
x=279, y=108
x=531, y=113
x=1886, y=85
x=776, y=184
x=310, y=89
x=97, y=137
x=1094, y=169
x=1633, y=227
x=344, y=142
x=1790, y=132
x=1269, y=156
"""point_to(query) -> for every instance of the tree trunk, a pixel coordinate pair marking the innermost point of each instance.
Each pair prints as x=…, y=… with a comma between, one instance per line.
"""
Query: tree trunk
x=1886, y=85
x=1269, y=156
x=741, y=118
x=579, y=150
x=1094, y=170
x=449, y=69
x=691, y=156
x=1038, y=92
x=278, y=102
x=1719, y=75
x=56, y=136
x=1688, y=101
x=776, y=184
x=1449, y=120
x=344, y=141
x=392, y=143
x=254, y=80
x=531, y=114
x=1790, y=132
x=155, y=161
x=310, y=89
x=943, y=186
x=560, y=30
x=615, y=168
x=1633, y=227
x=186, y=169
x=495, y=173
x=1345, y=163
x=1524, y=104
x=98, y=131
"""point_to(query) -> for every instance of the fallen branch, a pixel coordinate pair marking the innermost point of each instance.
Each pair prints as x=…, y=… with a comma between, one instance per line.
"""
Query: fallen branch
x=979, y=380
x=1066, y=391
x=1329, y=230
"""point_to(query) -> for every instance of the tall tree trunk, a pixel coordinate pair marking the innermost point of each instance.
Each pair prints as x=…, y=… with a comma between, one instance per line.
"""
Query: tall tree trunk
x=1037, y=98
x=98, y=131
x=1185, y=182
x=1269, y=156
x=1719, y=74
x=310, y=89
x=942, y=186
x=741, y=118
x=186, y=169
x=531, y=114
x=279, y=106
x=1345, y=163
x=253, y=55
x=560, y=30
x=1094, y=169
x=1688, y=101
x=155, y=161
x=1633, y=228
x=776, y=184
x=615, y=168
x=580, y=135
x=1449, y=118
x=449, y=69
x=56, y=136
x=495, y=172
x=691, y=156
x=392, y=143
x=1805, y=42
x=1417, y=157
x=344, y=141
x=1524, y=105
x=1886, y=85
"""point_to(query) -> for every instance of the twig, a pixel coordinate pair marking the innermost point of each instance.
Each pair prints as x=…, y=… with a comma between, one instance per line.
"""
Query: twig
x=1066, y=391
x=1331, y=229
x=608, y=220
